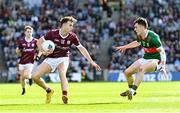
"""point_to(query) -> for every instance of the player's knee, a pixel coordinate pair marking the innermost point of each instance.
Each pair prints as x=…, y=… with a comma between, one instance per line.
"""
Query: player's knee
x=141, y=70
x=35, y=77
x=22, y=76
x=127, y=72
x=25, y=75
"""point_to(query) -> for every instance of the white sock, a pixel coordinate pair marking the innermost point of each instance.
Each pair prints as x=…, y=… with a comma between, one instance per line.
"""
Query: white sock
x=132, y=91
x=29, y=76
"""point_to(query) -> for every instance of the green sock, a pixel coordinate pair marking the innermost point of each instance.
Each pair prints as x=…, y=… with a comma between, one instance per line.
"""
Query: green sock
x=134, y=87
x=130, y=86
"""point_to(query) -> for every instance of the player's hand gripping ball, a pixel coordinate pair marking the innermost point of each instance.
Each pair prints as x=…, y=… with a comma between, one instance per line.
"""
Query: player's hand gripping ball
x=48, y=47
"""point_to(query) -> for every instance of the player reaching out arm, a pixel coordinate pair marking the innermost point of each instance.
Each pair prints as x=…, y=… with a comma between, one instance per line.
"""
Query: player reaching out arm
x=58, y=58
x=154, y=57
x=85, y=53
x=128, y=46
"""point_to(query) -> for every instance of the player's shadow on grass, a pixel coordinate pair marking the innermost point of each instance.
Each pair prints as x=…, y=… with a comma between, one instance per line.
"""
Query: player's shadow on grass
x=98, y=103
x=18, y=104
x=95, y=103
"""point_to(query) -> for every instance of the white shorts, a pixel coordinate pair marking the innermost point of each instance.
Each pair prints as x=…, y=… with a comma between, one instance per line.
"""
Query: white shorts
x=28, y=66
x=143, y=61
x=54, y=62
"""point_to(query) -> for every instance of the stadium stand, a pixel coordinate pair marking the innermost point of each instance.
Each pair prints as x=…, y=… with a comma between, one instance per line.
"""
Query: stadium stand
x=43, y=15
x=164, y=19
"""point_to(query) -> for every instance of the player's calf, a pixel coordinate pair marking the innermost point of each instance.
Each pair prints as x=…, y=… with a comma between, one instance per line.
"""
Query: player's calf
x=30, y=81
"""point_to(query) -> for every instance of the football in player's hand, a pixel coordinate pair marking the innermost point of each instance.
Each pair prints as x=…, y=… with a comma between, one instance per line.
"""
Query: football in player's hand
x=48, y=45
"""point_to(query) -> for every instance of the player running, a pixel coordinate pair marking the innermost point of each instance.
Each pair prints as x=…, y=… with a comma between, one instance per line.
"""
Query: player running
x=154, y=57
x=59, y=58
x=26, y=49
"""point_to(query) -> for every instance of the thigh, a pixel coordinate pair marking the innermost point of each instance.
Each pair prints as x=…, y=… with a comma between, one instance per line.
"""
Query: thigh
x=21, y=68
x=150, y=66
x=63, y=66
x=53, y=63
x=28, y=69
x=21, y=72
x=42, y=69
x=134, y=68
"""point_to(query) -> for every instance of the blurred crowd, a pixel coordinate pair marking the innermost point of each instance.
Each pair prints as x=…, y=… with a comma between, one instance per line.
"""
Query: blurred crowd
x=163, y=17
x=44, y=15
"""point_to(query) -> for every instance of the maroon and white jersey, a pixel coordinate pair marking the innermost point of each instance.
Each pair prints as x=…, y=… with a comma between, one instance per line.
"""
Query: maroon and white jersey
x=62, y=43
x=28, y=50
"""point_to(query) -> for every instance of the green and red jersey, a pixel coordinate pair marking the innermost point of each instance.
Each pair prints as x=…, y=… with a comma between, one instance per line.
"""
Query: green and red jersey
x=150, y=45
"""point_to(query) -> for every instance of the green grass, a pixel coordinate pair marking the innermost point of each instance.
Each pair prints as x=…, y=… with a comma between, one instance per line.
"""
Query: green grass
x=160, y=97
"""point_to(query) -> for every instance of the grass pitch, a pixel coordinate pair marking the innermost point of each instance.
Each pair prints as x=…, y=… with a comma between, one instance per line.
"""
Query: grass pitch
x=159, y=97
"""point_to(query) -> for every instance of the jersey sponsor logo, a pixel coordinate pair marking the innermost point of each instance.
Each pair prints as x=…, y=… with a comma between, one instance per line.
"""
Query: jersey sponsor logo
x=26, y=50
x=150, y=50
x=64, y=48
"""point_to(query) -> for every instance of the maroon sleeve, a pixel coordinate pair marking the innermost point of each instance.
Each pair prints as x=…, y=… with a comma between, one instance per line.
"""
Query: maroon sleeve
x=75, y=40
x=48, y=35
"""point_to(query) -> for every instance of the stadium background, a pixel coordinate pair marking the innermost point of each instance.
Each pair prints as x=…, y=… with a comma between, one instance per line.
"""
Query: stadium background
x=101, y=25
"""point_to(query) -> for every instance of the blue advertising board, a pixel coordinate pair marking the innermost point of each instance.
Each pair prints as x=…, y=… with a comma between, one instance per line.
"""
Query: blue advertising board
x=156, y=76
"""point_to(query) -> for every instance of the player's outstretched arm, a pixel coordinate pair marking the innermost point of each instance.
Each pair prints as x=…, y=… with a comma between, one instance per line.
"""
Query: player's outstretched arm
x=85, y=53
x=127, y=46
x=163, y=55
x=163, y=60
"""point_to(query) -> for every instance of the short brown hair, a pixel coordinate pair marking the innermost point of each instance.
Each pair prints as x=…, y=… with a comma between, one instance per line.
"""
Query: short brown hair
x=28, y=27
x=141, y=21
x=66, y=19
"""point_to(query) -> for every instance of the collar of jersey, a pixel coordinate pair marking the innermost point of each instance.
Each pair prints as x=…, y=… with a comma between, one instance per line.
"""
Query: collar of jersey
x=28, y=40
